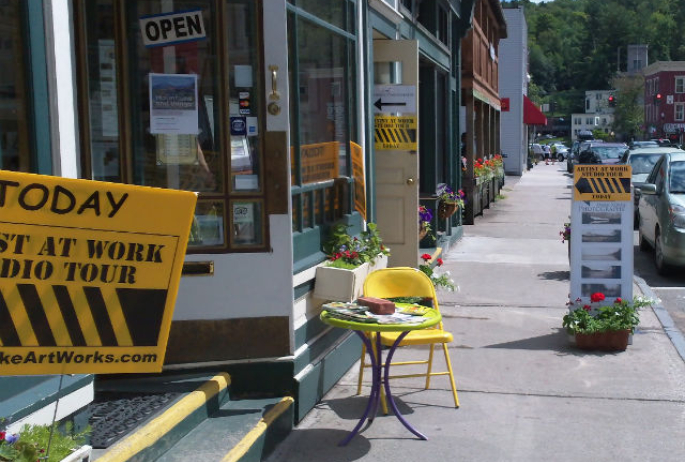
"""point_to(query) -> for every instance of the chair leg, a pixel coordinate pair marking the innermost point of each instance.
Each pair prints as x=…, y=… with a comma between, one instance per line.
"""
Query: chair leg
x=430, y=366
x=449, y=369
x=361, y=369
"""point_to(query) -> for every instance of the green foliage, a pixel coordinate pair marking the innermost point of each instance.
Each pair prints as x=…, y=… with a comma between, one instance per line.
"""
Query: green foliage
x=31, y=443
x=346, y=251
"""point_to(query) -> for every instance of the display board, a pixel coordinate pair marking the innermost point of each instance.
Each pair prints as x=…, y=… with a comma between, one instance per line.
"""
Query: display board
x=601, y=255
x=89, y=273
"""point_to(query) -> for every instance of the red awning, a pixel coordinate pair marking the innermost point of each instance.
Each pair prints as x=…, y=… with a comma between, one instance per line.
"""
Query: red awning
x=531, y=114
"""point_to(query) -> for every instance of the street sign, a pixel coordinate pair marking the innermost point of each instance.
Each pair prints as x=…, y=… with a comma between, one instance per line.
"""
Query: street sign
x=394, y=98
x=89, y=273
x=601, y=182
x=395, y=133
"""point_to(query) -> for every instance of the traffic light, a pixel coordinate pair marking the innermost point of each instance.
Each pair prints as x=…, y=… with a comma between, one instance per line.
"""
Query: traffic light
x=657, y=98
x=612, y=101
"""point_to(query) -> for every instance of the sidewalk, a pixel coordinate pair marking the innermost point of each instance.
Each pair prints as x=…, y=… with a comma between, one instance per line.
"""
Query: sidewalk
x=525, y=394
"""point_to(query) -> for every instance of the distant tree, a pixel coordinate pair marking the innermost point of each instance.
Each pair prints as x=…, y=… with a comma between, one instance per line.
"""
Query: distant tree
x=629, y=112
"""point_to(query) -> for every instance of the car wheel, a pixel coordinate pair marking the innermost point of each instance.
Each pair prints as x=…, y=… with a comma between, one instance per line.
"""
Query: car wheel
x=642, y=242
x=661, y=267
x=560, y=157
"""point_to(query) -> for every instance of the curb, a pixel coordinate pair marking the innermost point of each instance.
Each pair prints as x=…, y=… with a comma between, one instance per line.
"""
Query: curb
x=677, y=338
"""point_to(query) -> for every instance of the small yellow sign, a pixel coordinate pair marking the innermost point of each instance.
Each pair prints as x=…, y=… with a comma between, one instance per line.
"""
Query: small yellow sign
x=395, y=133
x=89, y=273
x=601, y=182
x=319, y=161
x=358, y=175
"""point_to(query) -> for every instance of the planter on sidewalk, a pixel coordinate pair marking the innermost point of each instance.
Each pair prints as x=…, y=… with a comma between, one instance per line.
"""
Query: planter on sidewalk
x=338, y=284
x=616, y=340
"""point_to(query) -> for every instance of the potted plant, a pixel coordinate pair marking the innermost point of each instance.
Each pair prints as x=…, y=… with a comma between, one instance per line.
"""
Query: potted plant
x=441, y=280
x=450, y=201
x=34, y=442
x=349, y=261
x=600, y=326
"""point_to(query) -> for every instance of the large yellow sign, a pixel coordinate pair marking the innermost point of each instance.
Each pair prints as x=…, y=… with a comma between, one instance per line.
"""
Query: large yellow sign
x=89, y=273
x=601, y=182
x=395, y=133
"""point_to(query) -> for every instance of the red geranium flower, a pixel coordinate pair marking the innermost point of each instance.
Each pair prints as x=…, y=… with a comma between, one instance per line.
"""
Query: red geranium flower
x=618, y=301
x=439, y=261
x=426, y=257
x=597, y=297
x=2, y=436
x=587, y=307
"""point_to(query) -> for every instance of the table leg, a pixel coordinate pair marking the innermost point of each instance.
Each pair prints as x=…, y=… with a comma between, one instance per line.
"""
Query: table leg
x=375, y=394
x=388, y=395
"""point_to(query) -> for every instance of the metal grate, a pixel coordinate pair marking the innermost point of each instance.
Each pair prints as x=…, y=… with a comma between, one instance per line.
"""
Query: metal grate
x=114, y=415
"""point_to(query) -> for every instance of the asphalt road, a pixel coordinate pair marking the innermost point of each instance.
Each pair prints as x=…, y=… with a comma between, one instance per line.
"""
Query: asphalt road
x=670, y=289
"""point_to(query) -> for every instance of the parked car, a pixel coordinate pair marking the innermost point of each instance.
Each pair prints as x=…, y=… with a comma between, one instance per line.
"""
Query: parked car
x=642, y=160
x=561, y=151
x=662, y=212
x=643, y=144
x=601, y=153
x=578, y=147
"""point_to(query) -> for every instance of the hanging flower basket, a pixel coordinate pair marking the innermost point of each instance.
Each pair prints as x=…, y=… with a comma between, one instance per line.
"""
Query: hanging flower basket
x=447, y=209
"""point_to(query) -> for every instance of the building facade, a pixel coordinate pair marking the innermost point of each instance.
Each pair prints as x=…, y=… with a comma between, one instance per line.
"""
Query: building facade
x=280, y=146
x=664, y=98
x=598, y=115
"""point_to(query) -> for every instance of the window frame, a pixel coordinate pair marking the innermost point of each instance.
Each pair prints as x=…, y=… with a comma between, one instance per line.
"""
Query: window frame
x=679, y=81
x=676, y=108
x=226, y=195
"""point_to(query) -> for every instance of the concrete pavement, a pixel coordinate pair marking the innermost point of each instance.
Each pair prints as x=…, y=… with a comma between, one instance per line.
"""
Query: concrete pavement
x=525, y=393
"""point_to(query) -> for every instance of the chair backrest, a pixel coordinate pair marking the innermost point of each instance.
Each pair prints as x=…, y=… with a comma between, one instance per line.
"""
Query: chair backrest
x=400, y=282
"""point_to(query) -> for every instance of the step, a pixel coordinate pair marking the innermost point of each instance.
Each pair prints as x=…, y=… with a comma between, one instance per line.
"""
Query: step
x=193, y=398
x=240, y=431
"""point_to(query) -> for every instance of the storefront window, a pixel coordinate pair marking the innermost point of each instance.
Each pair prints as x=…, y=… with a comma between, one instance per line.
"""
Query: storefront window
x=15, y=148
x=174, y=102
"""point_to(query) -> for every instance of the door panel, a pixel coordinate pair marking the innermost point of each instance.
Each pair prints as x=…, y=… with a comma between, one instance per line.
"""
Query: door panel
x=396, y=171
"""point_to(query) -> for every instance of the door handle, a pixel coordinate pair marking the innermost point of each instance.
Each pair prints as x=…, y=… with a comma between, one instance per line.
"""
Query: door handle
x=410, y=181
x=275, y=95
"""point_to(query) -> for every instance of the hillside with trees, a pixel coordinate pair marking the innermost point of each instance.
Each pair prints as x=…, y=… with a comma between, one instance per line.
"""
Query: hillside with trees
x=578, y=45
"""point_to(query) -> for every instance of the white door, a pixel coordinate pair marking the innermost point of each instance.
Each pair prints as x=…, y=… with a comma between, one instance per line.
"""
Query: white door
x=396, y=62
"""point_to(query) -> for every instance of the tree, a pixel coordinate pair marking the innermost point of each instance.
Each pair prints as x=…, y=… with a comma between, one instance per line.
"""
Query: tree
x=629, y=112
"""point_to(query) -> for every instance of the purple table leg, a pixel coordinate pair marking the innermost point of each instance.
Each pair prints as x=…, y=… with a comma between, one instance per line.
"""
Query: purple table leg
x=388, y=395
x=375, y=395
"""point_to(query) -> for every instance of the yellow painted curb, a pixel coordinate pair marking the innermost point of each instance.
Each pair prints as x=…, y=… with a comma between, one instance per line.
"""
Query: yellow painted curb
x=240, y=449
x=157, y=428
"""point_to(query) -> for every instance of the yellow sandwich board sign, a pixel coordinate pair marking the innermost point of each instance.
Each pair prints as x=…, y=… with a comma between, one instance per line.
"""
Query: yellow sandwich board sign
x=89, y=273
x=601, y=182
x=395, y=133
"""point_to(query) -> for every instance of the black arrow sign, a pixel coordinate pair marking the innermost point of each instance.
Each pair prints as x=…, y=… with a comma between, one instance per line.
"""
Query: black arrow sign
x=583, y=186
x=379, y=104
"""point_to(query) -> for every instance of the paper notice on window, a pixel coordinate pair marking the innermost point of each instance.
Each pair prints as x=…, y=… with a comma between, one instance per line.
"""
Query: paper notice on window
x=173, y=104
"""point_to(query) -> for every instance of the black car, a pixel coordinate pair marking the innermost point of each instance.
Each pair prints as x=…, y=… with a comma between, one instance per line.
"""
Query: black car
x=601, y=153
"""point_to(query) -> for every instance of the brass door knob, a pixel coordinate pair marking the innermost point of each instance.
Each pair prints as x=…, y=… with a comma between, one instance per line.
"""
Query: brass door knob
x=410, y=181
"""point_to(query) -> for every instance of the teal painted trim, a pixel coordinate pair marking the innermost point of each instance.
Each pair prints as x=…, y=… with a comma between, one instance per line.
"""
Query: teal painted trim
x=325, y=374
x=38, y=76
x=303, y=289
x=319, y=22
x=433, y=49
x=381, y=24
x=276, y=432
x=308, y=330
x=21, y=396
x=313, y=351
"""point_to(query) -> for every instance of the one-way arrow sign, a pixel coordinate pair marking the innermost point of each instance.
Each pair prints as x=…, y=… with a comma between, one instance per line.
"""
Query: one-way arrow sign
x=379, y=104
x=394, y=98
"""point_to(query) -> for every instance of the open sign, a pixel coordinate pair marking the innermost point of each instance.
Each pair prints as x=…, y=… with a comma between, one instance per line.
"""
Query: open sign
x=171, y=28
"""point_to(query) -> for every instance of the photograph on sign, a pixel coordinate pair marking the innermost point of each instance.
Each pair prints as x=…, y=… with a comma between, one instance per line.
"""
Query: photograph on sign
x=599, y=271
x=599, y=235
x=89, y=273
x=600, y=218
x=609, y=290
x=173, y=104
x=601, y=253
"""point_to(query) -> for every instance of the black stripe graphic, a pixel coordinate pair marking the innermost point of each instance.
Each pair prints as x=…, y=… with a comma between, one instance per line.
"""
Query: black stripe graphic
x=610, y=185
x=617, y=185
x=66, y=306
x=100, y=315
x=8, y=333
x=626, y=184
x=143, y=310
x=37, y=317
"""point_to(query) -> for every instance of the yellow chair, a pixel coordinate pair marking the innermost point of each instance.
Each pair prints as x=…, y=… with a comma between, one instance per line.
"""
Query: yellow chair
x=408, y=282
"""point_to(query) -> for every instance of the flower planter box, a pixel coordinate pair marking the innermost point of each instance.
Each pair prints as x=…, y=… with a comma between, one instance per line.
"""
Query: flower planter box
x=603, y=341
x=477, y=201
x=338, y=284
x=82, y=454
x=486, y=199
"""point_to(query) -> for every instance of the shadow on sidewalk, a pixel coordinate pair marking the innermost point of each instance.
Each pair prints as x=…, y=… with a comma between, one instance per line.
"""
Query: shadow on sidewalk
x=555, y=275
x=555, y=341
